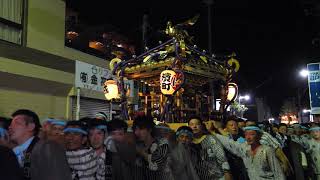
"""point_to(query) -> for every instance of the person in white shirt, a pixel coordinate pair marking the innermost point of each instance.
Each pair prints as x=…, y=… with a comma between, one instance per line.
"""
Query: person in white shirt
x=260, y=160
x=81, y=159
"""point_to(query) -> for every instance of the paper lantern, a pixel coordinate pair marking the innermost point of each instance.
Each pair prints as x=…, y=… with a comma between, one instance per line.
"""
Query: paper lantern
x=232, y=91
x=111, y=90
x=171, y=81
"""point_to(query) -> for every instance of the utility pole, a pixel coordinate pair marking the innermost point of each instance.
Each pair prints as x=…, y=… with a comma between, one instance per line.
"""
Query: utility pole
x=299, y=106
x=241, y=113
x=209, y=5
x=144, y=32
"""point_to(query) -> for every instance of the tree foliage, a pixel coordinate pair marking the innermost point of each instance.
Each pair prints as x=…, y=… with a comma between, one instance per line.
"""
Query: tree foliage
x=238, y=109
x=288, y=108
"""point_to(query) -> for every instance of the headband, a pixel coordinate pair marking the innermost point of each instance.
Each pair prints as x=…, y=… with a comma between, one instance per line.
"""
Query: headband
x=49, y=120
x=184, y=131
x=296, y=125
x=59, y=123
x=101, y=127
x=314, y=129
x=75, y=130
x=163, y=127
x=254, y=128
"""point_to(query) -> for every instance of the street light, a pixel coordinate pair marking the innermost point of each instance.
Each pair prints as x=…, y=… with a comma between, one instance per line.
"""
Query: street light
x=271, y=120
x=246, y=97
x=306, y=110
x=304, y=73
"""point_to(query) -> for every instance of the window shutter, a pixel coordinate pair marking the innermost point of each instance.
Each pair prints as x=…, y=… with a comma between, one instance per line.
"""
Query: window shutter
x=89, y=107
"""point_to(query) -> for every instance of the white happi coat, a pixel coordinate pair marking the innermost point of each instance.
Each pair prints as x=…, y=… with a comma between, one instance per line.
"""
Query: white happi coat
x=312, y=147
x=263, y=165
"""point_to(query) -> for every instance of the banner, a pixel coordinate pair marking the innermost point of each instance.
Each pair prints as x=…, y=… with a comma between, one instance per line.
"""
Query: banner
x=314, y=87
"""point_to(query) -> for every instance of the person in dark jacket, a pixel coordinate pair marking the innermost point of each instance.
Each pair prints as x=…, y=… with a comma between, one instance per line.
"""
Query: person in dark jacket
x=120, y=152
x=38, y=160
x=295, y=153
x=9, y=166
x=298, y=159
x=152, y=153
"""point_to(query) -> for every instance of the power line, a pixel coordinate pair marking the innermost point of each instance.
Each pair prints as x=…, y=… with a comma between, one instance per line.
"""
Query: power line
x=264, y=82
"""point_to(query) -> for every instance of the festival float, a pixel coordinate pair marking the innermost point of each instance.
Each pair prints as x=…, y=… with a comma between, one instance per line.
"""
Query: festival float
x=175, y=80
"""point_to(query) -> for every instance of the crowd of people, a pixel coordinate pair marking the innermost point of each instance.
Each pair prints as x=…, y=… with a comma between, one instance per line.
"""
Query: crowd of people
x=93, y=148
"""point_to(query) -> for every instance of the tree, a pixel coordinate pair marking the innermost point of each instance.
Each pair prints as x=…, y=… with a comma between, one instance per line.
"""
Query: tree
x=238, y=109
x=289, y=109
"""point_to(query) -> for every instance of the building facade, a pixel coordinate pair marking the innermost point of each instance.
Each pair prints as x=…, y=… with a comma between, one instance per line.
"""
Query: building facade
x=37, y=70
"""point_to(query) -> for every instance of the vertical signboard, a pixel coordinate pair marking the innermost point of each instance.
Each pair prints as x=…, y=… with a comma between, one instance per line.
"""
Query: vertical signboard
x=314, y=87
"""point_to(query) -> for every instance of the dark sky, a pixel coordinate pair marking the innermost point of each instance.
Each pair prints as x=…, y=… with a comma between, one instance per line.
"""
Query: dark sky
x=272, y=38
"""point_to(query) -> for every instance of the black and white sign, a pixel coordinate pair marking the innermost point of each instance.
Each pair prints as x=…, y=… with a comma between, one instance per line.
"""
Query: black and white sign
x=90, y=76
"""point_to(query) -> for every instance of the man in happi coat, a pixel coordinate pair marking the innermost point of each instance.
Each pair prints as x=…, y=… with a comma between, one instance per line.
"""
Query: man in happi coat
x=260, y=160
x=209, y=157
x=312, y=147
x=237, y=167
x=180, y=156
x=152, y=161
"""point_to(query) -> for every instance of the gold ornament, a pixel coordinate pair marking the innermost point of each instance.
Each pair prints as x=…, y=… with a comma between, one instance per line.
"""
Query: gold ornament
x=178, y=31
x=113, y=62
x=234, y=63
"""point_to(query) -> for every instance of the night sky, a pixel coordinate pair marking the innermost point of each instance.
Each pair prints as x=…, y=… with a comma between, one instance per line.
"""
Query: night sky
x=272, y=39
